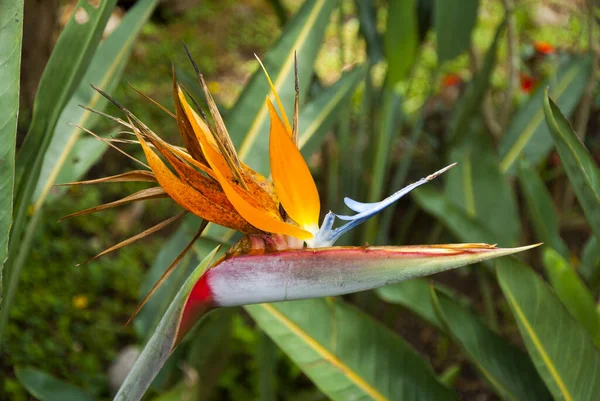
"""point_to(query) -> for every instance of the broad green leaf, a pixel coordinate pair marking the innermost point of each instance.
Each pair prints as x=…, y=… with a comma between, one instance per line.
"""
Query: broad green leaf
x=573, y=293
x=347, y=354
x=478, y=187
x=48, y=388
x=463, y=226
x=68, y=62
x=11, y=29
x=562, y=350
x=541, y=209
x=527, y=134
x=494, y=357
x=62, y=161
x=161, y=343
x=401, y=39
x=579, y=165
x=454, y=20
x=590, y=262
x=471, y=101
x=508, y=370
x=67, y=65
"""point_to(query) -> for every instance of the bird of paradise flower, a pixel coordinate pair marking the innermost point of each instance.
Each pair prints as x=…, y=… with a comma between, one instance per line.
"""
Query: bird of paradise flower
x=285, y=254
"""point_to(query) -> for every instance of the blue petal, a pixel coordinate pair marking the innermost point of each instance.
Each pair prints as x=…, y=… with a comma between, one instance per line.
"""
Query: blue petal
x=326, y=236
x=358, y=206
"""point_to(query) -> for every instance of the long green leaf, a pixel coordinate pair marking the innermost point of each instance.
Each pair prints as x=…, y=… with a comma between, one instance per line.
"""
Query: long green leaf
x=590, y=262
x=578, y=163
x=11, y=28
x=573, y=293
x=105, y=72
x=509, y=370
x=68, y=62
x=414, y=295
x=540, y=208
x=454, y=20
x=161, y=344
x=48, y=388
x=401, y=39
x=463, y=226
x=478, y=187
x=527, y=134
x=561, y=349
x=346, y=353
x=67, y=65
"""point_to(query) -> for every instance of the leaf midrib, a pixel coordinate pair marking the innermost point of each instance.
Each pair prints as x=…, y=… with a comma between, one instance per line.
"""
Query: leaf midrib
x=325, y=354
x=538, y=345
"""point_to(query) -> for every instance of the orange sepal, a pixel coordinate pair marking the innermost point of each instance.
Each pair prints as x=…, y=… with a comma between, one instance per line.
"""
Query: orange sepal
x=191, y=199
x=294, y=183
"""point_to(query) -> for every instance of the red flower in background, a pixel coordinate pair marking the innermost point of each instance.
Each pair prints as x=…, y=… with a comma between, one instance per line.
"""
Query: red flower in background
x=527, y=83
x=451, y=80
x=543, y=47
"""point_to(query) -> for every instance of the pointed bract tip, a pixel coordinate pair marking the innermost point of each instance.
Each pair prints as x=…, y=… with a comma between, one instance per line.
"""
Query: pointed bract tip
x=439, y=172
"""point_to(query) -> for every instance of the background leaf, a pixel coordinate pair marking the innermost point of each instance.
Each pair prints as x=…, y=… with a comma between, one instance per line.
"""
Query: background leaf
x=454, y=20
x=11, y=27
x=527, y=135
x=578, y=164
x=344, y=351
x=401, y=39
x=572, y=292
x=541, y=209
x=508, y=369
x=477, y=186
x=47, y=388
x=105, y=71
x=561, y=349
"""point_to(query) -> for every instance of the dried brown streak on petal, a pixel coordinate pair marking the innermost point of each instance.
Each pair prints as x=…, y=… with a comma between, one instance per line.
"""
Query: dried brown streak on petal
x=206, y=186
x=192, y=200
x=149, y=193
x=139, y=236
x=261, y=189
x=168, y=272
x=185, y=127
x=148, y=98
x=166, y=149
x=135, y=175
